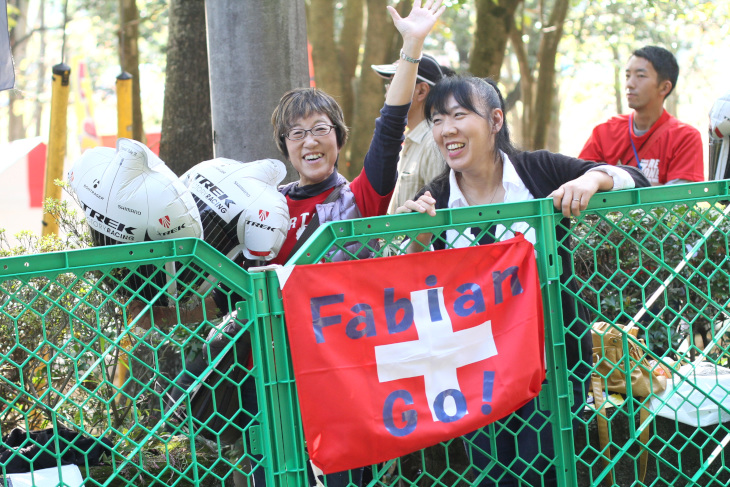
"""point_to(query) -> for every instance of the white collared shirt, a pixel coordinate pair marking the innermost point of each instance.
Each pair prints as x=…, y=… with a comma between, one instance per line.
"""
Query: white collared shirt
x=515, y=191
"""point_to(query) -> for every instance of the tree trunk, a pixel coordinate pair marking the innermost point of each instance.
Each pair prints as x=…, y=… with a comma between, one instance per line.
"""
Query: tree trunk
x=349, y=53
x=129, y=60
x=551, y=34
x=511, y=97
x=335, y=55
x=527, y=83
x=187, y=129
x=327, y=68
x=494, y=21
x=369, y=93
x=249, y=76
x=41, y=80
x=671, y=103
x=404, y=8
x=553, y=135
x=18, y=45
x=617, y=69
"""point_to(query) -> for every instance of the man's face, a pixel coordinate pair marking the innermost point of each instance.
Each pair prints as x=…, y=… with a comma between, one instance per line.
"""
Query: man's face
x=643, y=87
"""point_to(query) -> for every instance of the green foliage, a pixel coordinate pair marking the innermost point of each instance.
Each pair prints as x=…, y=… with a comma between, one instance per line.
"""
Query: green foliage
x=152, y=25
x=64, y=338
x=37, y=308
x=13, y=13
x=622, y=259
x=152, y=30
x=457, y=3
x=456, y=28
x=629, y=25
x=74, y=231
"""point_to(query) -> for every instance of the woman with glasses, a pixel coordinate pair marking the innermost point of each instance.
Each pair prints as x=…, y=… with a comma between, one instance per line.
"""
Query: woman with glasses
x=310, y=130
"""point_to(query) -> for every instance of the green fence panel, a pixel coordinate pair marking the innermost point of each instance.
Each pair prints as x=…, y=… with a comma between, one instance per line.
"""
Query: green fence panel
x=657, y=258
x=448, y=464
x=290, y=461
x=661, y=265
x=76, y=363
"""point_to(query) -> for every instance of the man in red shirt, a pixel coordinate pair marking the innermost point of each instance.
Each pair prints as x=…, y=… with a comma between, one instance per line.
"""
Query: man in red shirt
x=666, y=150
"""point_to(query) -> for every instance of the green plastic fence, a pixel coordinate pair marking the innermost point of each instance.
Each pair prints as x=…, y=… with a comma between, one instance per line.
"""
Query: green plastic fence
x=654, y=257
x=65, y=334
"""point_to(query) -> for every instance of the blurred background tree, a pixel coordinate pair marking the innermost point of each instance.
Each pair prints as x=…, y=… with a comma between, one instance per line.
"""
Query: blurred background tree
x=543, y=52
x=21, y=32
x=187, y=129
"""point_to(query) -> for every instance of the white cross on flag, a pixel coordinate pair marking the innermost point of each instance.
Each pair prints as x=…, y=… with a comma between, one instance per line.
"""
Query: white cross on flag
x=395, y=354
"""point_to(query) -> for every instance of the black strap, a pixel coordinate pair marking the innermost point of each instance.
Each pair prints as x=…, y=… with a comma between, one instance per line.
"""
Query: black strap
x=314, y=223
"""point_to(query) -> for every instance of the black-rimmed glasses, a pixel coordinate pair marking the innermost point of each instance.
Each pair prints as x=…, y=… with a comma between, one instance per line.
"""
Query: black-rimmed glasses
x=319, y=130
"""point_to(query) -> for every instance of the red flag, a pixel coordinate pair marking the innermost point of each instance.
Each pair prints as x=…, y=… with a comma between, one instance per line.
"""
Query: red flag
x=392, y=355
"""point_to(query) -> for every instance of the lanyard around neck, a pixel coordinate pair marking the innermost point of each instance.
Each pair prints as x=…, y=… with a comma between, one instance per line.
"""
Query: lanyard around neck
x=631, y=139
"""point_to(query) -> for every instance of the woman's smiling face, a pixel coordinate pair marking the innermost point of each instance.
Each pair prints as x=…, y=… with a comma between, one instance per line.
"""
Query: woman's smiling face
x=313, y=157
x=465, y=138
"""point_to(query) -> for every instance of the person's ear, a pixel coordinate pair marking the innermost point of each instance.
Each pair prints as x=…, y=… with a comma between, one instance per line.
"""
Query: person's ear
x=665, y=87
x=421, y=91
x=497, y=120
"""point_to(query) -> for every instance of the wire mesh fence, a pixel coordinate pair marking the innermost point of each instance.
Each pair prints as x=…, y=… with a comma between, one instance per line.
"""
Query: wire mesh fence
x=185, y=394
x=122, y=396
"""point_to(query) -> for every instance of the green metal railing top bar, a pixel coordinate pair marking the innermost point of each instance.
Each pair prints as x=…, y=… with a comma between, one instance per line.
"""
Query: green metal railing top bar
x=106, y=257
x=601, y=202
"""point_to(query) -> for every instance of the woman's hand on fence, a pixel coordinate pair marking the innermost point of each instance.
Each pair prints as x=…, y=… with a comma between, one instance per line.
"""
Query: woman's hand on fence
x=573, y=197
x=425, y=204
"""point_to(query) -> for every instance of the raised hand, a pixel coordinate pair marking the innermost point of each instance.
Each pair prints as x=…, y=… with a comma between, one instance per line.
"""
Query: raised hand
x=420, y=21
x=414, y=28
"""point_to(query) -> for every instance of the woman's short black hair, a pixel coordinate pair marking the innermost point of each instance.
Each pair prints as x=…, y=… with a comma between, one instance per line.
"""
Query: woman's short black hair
x=301, y=103
x=478, y=95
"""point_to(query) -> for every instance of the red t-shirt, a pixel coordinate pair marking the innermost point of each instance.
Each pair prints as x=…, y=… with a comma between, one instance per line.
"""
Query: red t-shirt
x=675, y=153
x=368, y=201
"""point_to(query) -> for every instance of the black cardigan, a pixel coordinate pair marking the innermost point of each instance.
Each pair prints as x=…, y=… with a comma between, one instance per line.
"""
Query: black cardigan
x=542, y=172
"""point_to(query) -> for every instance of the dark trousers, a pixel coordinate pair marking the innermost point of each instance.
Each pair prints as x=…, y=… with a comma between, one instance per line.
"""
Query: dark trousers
x=523, y=447
x=343, y=479
x=523, y=443
x=249, y=402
